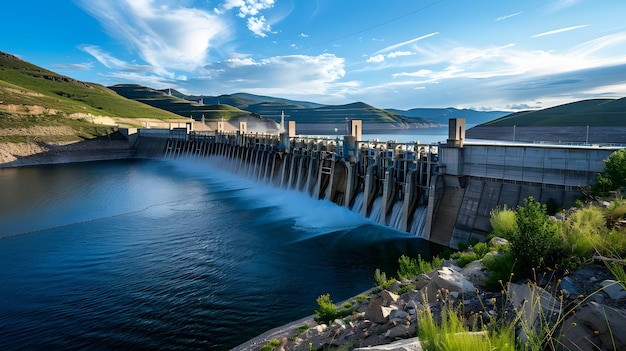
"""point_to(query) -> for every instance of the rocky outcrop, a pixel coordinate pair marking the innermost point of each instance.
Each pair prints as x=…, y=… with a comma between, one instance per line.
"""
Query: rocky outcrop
x=583, y=311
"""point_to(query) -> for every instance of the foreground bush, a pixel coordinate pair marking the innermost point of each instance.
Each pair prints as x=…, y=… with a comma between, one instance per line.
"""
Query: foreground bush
x=328, y=311
x=411, y=267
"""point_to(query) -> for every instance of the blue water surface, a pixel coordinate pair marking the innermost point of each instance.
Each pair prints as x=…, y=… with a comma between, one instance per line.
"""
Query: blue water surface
x=171, y=255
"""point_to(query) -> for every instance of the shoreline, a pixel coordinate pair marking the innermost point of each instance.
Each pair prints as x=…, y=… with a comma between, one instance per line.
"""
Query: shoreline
x=37, y=154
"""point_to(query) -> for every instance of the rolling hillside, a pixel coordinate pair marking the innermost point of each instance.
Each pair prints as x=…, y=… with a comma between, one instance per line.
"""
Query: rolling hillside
x=22, y=83
x=594, y=121
x=46, y=117
x=303, y=112
x=244, y=100
x=175, y=103
x=594, y=112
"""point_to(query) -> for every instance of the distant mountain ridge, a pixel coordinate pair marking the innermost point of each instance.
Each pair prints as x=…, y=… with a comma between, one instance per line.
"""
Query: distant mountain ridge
x=302, y=112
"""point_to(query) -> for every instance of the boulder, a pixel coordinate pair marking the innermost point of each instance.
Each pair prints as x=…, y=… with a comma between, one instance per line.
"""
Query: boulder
x=534, y=306
x=412, y=344
x=446, y=280
x=613, y=289
x=398, y=314
x=388, y=298
x=379, y=308
x=498, y=241
x=401, y=330
x=595, y=327
x=378, y=314
x=475, y=272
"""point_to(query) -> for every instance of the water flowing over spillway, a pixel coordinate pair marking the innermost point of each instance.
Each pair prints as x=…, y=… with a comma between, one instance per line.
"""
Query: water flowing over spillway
x=172, y=254
x=388, y=182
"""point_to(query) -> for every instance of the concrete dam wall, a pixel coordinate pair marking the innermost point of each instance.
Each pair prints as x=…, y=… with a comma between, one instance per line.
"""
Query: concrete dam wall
x=386, y=182
x=442, y=192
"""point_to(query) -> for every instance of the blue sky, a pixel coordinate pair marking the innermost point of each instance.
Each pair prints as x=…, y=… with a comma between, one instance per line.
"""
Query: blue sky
x=483, y=54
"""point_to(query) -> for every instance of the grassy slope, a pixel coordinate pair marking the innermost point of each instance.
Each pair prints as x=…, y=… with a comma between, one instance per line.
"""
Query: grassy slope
x=33, y=97
x=22, y=83
x=177, y=105
x=593, y=112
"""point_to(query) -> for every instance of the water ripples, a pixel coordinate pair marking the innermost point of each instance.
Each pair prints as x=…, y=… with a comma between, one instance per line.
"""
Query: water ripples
x=199, y=260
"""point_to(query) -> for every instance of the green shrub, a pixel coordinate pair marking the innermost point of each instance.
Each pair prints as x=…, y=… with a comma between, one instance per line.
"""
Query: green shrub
x=480, y=249
x=535, y=242
x=360, y=298
x=270, y=346
x=380, y=278
x=464, y=258
x=504, y=222
x=410, y=268
x=405, y=289
x=501, y=269
x=616, y=212
x=328, y=311
x=583, y=231
x=473, y=253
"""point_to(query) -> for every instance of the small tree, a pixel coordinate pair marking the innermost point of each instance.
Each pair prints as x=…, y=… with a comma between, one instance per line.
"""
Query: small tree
x=615, y=168
x=327, y=311
x=535, y=241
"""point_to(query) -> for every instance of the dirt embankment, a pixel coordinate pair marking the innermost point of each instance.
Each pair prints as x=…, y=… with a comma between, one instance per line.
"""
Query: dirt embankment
x=39, y=153
x=35, y=145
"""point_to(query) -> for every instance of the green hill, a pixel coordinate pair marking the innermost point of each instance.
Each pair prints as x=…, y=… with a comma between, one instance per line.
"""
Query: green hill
x=178, y=103
x=244, y=100
x=358, y=110
x=38, y=104
x=228, y=106
x=593, y=112
x=22, y=83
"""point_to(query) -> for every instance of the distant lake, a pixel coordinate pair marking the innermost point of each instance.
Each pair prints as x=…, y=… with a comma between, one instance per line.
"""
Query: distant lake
x=423, y=135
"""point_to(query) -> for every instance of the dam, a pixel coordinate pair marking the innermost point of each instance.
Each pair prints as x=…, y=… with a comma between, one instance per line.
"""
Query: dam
x=442, y=192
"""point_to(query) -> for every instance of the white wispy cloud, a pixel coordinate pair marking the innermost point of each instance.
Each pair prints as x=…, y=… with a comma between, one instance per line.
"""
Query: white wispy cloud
x=502, y=18
x=614, y=40
x=247, y=7
x=111, y=62
x=556, y=31
x=399, y=54
x=250, y=9
x=259, y=26
x=74, y=66
x=164, y=37
x=536, y=78
x=282, y=75
x=558, y=5
x=617, y=90
x=395, y=46
x=437, y=64
x=376, y=59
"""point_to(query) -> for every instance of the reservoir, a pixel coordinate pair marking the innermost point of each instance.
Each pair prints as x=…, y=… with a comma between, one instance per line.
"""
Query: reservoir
x=172, y=255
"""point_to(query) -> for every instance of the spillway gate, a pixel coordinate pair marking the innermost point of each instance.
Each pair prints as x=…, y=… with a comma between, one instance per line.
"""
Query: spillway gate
x=388, y=182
